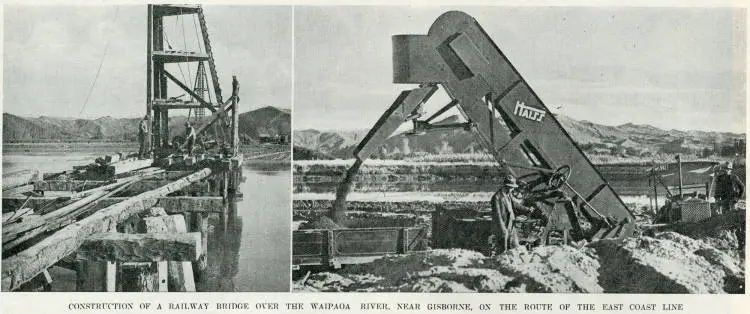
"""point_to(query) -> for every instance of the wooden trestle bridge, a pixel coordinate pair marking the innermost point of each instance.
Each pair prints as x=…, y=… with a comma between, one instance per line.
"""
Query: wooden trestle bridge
x=124, y=223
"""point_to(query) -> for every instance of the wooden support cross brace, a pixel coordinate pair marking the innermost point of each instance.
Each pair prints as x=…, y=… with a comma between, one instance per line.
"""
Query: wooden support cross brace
x=141, y=247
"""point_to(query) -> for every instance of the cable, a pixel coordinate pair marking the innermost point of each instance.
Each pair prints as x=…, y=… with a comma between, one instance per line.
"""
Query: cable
x=184, y=44
x=166, y=38
x=197, y=36
x=101, y=62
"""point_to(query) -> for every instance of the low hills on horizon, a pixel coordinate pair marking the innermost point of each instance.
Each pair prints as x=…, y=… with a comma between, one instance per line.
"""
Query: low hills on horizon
x=626, y=140
x=265, y=121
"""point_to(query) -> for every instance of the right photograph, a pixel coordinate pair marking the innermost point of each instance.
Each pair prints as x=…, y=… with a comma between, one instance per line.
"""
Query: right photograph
x=519, y=149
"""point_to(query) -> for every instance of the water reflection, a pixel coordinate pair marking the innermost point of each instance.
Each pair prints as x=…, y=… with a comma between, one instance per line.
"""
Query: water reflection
x=224, y=239
x=249, y=247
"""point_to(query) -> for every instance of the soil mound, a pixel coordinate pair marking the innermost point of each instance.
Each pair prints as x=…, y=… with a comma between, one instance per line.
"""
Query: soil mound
x=653, y=265
x=551, y=269
x=708, y=260
x=544, y=269
x=451, y=270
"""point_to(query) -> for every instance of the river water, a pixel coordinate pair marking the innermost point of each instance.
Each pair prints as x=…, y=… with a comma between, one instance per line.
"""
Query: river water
x=251, y=253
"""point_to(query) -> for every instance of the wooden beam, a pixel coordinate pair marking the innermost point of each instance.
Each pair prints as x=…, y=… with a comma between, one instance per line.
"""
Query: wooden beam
x=235, y=116
x=19, y=190
x=138, y=276
x=18, y=178
x=125, y=166
x=67, y=185
x=58, y=218
x=27, y=224
x=11, y=217
x=184, y=204
x=199, y=223
x=106, y=172
x=75, y=185
x=94, y=276
x=190, y=91
x=40, y=283
x=222, y=112
x=147, y=185
x=154, y=212
x=141, y=247
x=23, y=266
x=172, y=204
x=111, y=277
x=180, y=273
x=178, y=105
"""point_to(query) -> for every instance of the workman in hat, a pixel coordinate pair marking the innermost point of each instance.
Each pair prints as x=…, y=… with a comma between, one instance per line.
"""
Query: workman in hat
x=729, y=189
x=504, y=210
x=143, y=138
x=189, y=138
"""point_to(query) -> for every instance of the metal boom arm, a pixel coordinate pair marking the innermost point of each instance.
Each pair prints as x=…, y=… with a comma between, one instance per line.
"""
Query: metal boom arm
x=507, y=116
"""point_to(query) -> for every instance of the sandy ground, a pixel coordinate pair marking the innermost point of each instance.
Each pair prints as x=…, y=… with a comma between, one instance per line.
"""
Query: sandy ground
x=667, y=262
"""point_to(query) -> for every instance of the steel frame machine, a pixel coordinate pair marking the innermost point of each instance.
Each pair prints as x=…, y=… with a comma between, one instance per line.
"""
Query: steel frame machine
x=508, y=119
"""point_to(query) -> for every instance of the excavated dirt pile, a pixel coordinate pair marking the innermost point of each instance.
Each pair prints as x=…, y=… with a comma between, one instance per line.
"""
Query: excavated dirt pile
x=550, y=269
x=656, y=265
x=547, y=269
x=666, y=263
x=451, y=270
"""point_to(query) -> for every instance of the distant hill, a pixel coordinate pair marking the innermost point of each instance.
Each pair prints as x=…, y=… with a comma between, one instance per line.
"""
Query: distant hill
x=331, y=143
x=264, y=121
x=622, y=140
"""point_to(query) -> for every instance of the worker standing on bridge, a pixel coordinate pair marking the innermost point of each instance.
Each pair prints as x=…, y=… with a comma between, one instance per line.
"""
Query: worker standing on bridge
x=729, y=189
x=189, y=138
x=143, y=138
x=504, y=210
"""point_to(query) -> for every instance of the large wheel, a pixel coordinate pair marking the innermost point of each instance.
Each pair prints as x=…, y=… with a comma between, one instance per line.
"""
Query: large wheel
x=559, y=177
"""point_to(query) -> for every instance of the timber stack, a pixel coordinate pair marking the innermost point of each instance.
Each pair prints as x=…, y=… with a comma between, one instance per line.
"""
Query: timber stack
x=120, y=223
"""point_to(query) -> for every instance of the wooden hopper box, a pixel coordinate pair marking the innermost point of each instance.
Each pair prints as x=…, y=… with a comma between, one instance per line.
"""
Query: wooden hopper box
x=336, y=247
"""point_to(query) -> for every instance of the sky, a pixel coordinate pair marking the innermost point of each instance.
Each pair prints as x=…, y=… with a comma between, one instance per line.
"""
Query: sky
x=51, y=56
x=673, y=68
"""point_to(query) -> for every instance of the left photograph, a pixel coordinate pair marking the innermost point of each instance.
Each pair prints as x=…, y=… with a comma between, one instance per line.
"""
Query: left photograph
x=146, y=148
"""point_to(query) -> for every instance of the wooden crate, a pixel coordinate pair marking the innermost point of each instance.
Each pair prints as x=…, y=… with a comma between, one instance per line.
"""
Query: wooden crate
x=336, y=247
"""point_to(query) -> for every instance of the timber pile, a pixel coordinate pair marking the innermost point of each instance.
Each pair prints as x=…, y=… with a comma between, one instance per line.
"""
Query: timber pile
x=110, y=166
x=105, y=168
x=24, y=225
x=67, y=227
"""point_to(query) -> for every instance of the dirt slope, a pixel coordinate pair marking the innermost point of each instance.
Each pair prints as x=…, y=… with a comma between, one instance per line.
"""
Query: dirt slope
x=666, y=263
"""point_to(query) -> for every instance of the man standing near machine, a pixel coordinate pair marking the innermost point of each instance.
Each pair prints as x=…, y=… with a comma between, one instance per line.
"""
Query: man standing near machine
x=189, y=138
x=729, y=189
x=143, y=138
x=504, y=210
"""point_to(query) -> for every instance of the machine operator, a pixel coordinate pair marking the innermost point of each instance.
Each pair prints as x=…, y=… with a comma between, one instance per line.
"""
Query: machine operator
x=504, y=210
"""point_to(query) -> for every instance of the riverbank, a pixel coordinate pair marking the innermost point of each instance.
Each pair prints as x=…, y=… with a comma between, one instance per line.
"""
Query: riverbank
x=265, y=151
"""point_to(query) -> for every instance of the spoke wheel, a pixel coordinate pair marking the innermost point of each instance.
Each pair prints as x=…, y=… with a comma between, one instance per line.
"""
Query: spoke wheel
x=559, y=177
